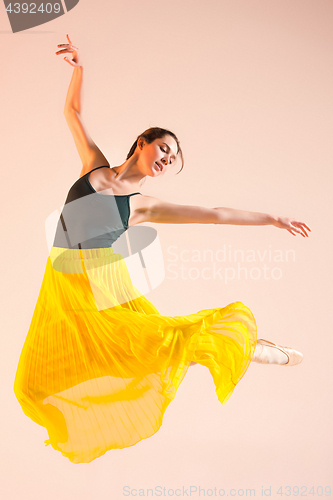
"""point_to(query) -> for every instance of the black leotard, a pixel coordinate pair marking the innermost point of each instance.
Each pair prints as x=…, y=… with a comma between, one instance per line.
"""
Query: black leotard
x=94, y=221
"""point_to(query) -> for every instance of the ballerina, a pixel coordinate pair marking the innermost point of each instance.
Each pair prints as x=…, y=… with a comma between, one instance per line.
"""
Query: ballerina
x=100, y=378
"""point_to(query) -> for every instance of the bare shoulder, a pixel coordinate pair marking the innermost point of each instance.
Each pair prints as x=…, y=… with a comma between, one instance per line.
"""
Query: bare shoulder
x=143, y=208
x=152, y=209
x=99, y=176
x=147, y=204
x=98, y=161
x=140, y=208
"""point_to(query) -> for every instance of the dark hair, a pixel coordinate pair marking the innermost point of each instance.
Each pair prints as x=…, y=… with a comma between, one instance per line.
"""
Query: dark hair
x=153, y=133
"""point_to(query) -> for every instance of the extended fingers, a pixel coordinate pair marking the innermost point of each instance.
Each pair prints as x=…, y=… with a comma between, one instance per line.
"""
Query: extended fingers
x=301, y=225
x=63, y=51
x=70, y=45
x=67, y=45
x=301, y=230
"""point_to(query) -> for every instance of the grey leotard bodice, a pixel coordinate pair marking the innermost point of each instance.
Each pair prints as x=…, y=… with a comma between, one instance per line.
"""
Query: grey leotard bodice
x=94, y=221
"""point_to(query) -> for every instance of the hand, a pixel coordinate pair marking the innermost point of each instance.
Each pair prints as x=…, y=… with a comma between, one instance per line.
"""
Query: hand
x=291, y=225
x=71, y=49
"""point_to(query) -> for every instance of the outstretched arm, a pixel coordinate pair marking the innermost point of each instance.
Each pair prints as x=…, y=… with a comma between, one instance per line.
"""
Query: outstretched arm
x=170, y=213
x=91, y=156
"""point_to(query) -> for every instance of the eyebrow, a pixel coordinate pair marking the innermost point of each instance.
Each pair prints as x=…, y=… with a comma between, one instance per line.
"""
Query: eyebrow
x=172, y=156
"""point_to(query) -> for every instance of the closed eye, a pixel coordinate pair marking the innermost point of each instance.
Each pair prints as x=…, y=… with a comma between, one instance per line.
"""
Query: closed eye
x=164, y=152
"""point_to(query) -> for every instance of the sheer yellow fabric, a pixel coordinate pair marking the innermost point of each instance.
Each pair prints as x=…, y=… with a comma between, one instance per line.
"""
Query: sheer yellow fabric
x=101, y=378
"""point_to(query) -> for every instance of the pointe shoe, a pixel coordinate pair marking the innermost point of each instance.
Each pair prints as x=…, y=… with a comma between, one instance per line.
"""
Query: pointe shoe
x=294, y=357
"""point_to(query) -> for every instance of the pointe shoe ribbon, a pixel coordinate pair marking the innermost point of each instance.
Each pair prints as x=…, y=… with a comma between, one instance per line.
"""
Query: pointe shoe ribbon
x=294, y=357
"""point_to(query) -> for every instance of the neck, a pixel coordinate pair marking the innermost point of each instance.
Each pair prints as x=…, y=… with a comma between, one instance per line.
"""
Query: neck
x=129, y=172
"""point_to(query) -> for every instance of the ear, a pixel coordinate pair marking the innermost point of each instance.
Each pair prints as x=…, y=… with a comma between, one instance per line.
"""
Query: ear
x=141, y=142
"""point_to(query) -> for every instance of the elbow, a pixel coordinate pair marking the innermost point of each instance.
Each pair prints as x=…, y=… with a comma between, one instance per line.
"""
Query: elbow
x=69, y=110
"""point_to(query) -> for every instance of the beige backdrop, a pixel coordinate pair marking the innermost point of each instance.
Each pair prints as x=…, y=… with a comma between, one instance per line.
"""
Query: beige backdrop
x=247, y=87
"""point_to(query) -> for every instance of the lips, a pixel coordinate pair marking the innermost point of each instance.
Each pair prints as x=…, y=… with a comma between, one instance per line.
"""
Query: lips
x=159, y=165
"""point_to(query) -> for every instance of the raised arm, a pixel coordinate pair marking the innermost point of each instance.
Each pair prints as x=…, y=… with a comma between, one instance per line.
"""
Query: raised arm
x=160, y=211
x=91, y=156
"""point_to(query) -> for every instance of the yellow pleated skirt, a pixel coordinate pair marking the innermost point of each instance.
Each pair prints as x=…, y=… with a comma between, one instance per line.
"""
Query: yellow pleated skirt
x=100, y=364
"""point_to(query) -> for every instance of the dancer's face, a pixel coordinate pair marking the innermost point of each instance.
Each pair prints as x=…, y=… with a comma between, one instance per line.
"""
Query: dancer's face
x=162, y=151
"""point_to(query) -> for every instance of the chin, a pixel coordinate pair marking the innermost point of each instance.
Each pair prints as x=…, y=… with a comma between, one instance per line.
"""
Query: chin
x=153, y=171
x=160, y=172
